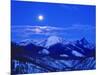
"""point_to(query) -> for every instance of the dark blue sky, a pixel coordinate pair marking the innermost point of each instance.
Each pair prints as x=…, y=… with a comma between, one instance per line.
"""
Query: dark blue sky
x=67, y=20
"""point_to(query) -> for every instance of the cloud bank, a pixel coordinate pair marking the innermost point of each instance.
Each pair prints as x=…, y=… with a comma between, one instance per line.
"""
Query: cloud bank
x=68, y=32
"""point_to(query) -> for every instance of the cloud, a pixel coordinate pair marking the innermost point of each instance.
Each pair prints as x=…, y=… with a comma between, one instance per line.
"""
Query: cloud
x=45, y=29
x=36, y=29
x=27, y=31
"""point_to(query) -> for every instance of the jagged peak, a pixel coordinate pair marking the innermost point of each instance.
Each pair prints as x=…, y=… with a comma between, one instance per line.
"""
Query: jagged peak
x=51, y=40
x=84, y=41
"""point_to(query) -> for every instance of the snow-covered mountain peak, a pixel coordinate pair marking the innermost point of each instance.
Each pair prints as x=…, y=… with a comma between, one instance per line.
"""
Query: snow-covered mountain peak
x=26, y=42
x=39, y=42
x=84, y=41
x=53, y=40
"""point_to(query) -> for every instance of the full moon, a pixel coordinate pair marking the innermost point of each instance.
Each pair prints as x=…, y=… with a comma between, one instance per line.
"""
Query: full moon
x=40, y=17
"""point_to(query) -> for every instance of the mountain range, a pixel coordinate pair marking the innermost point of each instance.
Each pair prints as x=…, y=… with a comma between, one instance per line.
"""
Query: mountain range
x=53, y=50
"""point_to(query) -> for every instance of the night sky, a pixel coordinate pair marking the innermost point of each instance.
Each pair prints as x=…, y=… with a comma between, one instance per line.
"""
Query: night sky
x=35, y=20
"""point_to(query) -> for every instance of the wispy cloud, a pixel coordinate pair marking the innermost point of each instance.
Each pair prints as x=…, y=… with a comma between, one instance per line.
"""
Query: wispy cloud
x=46, y=30
x=74, y=31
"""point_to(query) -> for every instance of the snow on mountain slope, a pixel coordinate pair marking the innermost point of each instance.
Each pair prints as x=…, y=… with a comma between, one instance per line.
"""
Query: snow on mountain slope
x=76, y=48
x=53, y=40
x=76, y=53
x=84, y=43
x=25, y=42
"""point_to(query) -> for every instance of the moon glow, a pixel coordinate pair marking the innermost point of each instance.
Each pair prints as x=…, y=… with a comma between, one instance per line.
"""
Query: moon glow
x=40, y=17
